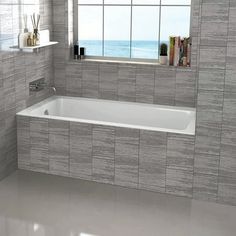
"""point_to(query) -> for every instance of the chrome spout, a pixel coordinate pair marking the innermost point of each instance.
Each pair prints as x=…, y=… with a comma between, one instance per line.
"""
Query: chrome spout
x=54, y=90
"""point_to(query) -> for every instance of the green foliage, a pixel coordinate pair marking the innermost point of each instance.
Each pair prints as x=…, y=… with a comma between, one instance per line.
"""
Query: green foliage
x=163, y=49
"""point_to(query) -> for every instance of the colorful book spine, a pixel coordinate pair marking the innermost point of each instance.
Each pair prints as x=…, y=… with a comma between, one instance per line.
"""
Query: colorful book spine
x=172, y=51
x=189, y=52
x=185, y=51
x=176, y=51
x=180, y=51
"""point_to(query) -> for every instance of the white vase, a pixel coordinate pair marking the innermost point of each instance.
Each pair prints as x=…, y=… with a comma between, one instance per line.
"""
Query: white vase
x=163, y=60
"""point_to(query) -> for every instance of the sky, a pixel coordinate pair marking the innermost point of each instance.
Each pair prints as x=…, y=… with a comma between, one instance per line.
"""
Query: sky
x=174, y=21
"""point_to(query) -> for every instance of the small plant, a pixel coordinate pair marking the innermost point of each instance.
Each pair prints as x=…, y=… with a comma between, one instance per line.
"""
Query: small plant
x=163, y=51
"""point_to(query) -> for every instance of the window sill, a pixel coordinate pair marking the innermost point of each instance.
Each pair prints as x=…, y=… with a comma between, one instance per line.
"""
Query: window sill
x=151, y=62
x=128, y=63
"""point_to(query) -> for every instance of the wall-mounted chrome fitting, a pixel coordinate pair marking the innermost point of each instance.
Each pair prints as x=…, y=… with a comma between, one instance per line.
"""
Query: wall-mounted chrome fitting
x=37, y=85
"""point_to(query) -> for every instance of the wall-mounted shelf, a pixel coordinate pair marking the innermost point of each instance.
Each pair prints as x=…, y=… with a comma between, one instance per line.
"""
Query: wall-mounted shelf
x=31, y=49
x=40, y=46
x=44, y=42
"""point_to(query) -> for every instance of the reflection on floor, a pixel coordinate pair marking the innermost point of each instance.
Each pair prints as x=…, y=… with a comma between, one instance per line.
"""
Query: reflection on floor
x=33, y=204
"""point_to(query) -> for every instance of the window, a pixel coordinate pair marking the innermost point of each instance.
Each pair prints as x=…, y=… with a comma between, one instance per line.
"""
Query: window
x=130, y=28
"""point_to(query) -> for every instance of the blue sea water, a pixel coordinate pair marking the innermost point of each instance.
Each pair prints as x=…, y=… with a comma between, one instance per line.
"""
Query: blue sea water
x=115, y=48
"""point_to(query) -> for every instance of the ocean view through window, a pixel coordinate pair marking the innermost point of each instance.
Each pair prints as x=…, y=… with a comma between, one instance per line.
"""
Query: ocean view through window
x=132, y=29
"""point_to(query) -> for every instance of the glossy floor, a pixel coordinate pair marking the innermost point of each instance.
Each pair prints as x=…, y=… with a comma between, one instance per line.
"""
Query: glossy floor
x=33, y=204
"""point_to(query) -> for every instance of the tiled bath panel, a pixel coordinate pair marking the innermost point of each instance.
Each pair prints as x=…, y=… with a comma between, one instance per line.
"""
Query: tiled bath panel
x=121, y=156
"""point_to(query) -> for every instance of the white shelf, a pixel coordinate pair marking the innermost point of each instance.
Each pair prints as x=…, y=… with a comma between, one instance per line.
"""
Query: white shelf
x=36, y=47
x=41, y=45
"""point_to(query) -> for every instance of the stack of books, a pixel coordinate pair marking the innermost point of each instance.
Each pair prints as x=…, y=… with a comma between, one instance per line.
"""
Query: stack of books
x=180, y=51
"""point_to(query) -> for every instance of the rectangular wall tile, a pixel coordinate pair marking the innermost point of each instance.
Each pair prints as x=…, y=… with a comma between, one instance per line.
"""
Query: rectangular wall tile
x=23, y=142
x=165, y=84
x=212, y=57
x=180, y=151
x=108, y=79
x=179, y=182
x=207, y=145
x=230, y=83
x=90, y=80
x=211, y=79
x=229, y=110
x=127, y=83
x=145, y=84
x=209, y=113
x=206, y=164
x=59, y=147
x=227, y=190
x=152, y=160
x=81, y=150
x=205, y=187
x=215, y=12
x=103, y=154
x=214, y=23
x=103, y=170
x=74, y=80
x=185, y=88
x=126, y=157
x=39, y=145
x=228, y=158
x=231, y=57
x=232, y=26
x=214, y=33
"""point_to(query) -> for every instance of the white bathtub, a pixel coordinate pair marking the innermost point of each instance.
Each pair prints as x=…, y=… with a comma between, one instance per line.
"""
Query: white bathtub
x=114, y=113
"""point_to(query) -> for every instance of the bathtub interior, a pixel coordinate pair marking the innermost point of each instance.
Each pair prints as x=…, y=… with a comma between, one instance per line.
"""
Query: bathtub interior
x=124, y=114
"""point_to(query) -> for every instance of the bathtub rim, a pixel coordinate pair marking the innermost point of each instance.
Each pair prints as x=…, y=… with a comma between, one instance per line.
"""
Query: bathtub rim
x=190, y=130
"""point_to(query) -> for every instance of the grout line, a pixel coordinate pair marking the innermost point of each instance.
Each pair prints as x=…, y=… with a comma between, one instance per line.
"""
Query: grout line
x=139, y=147
x=166, y=167
x=115, y=140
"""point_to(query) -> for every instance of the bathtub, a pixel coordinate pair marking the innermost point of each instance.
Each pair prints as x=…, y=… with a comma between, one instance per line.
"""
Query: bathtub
x=115, y=113
x=133, y=145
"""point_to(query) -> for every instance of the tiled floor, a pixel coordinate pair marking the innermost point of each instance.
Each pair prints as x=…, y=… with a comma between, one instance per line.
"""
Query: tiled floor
x=43, y=205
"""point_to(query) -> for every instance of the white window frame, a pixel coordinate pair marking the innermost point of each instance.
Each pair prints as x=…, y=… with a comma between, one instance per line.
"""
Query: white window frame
x=76, y=33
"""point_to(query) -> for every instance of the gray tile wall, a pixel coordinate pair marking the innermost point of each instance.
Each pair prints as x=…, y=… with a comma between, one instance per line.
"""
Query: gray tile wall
x=146, y=84
x=209, y=86
x=120, y=156
x=214, y=165
x=16, y=71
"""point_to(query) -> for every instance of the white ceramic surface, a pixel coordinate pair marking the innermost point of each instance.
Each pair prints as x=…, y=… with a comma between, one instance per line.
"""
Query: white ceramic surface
x=115, y=113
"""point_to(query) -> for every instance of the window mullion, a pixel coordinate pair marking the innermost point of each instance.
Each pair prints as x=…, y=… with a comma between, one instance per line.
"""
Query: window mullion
x=159, y=36
x=103, y=30
x=75, y=21
x=131, y=28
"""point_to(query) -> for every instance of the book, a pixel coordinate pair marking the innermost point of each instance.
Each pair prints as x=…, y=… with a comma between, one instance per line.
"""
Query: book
x=177, y=51
x=180, y=51
x=185, y=51
x=189, y=43
x=172, y=51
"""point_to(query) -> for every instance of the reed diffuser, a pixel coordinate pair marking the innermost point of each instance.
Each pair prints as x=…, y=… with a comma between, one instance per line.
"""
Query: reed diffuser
x=35, y=23
x=25, y=24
